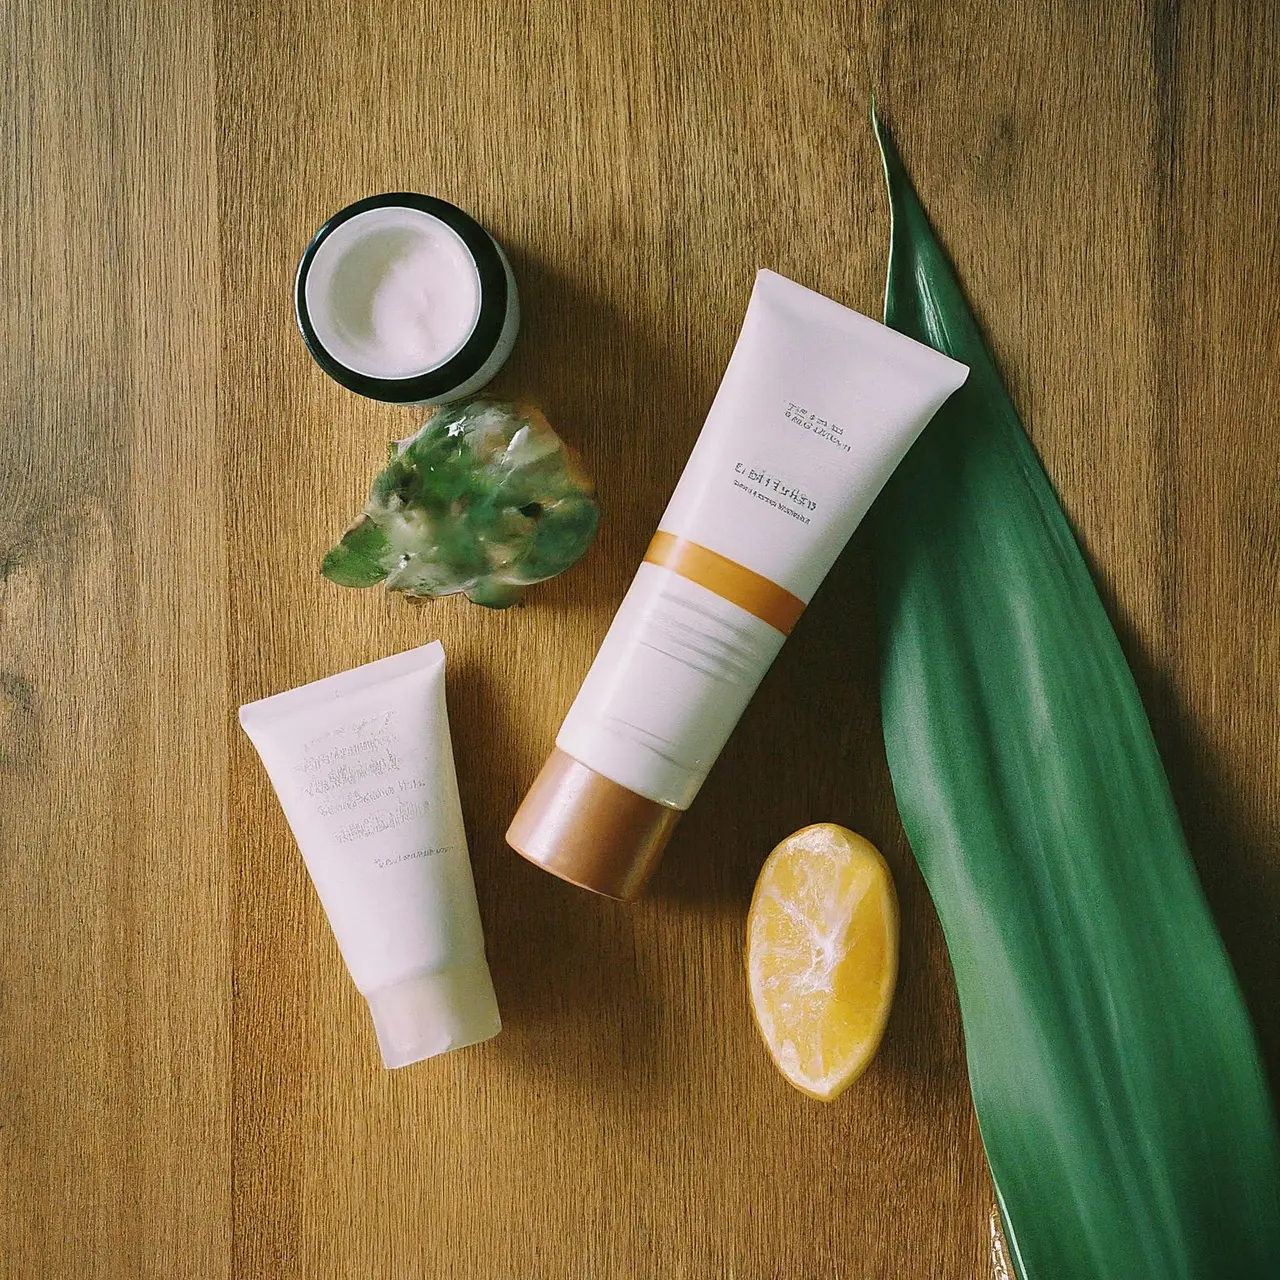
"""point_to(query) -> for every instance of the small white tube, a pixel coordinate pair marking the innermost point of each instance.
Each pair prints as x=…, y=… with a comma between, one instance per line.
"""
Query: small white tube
x=363, y=766
x=817, y=407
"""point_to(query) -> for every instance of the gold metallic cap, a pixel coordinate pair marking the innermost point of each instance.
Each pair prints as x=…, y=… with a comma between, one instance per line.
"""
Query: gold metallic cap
x=589, y=830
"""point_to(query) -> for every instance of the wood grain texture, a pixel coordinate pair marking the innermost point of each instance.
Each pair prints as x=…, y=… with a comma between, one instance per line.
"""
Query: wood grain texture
x=189, y=1084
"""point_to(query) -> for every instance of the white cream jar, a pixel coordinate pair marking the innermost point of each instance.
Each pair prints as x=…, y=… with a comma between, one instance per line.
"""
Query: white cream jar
x=405, y=298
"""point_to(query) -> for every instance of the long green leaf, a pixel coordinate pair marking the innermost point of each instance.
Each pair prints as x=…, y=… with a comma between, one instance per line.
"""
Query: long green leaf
x=1114, y=1071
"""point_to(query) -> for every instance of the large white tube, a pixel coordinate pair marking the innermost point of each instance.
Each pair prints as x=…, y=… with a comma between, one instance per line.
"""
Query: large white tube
x=817, y=407
x=363, y=767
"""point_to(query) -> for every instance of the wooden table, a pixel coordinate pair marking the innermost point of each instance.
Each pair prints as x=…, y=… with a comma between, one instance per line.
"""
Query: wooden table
x=189, y=1083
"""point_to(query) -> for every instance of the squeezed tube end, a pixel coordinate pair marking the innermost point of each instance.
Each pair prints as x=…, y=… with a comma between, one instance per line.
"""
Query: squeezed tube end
x=590, y=830
x=433, y=1013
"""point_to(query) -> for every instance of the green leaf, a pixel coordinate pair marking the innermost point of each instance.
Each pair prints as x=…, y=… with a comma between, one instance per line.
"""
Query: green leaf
x=357, y=560
x=1114, y=1071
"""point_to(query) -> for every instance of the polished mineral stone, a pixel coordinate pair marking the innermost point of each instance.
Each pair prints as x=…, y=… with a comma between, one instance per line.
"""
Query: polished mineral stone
x=484, y=499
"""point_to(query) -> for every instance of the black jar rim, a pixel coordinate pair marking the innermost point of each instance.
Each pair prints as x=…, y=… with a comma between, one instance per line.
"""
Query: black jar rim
x=466, y=363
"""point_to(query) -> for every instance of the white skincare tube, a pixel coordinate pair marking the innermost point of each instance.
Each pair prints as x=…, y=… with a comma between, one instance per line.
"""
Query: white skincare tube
x=817, y=407
x=363, y=766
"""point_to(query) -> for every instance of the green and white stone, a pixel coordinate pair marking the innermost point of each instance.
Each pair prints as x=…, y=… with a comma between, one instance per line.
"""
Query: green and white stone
x=484, y=499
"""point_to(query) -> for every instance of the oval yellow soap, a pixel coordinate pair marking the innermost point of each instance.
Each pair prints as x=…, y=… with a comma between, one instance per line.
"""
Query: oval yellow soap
x=822, y=956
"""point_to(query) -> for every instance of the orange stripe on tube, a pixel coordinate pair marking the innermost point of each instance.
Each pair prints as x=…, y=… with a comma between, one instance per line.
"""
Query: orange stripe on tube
x=728, y=579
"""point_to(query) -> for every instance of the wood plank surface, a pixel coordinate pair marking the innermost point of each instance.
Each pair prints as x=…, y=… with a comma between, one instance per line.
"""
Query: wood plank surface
x=189, y=1084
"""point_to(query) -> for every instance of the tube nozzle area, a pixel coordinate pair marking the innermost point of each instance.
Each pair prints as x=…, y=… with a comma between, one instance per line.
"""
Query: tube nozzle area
x=590, y=830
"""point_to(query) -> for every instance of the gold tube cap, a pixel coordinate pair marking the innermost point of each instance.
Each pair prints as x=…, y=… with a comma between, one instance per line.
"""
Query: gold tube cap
x=590, y=830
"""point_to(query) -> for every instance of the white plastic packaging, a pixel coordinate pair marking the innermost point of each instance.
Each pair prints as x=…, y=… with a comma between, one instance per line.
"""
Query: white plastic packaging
x=817, y=407
x=363, y=766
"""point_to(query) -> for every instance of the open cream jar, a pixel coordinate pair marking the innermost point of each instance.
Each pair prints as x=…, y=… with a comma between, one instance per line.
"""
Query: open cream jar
x=405, y=298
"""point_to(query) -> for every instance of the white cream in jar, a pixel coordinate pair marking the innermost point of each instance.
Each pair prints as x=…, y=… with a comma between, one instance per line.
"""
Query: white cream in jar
x=406, y=298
